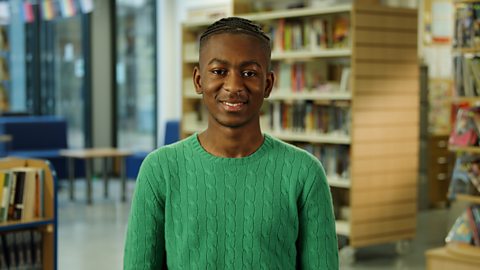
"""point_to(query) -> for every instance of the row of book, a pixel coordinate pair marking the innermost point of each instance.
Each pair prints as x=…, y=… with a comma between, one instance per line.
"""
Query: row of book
x=21, y=250
x=334, y=158
x=465, y=177
x=467, y=75
x=466, y=228
x=310, y=34
x=306, y=116
x=312, y=76
x=467, y=25
x=22, y=194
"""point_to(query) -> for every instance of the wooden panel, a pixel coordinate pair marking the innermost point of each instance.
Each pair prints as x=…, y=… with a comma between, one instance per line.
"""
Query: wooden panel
x=361, y=7
x=382, y=118
x=381, y=239
x=382, y=149
x=382, y=212
x=370, y=229
x=385, y=133
x=392, y=195
x=370, y=166
x=382, y=181
x=387, y=102
x=391, y=22
x=375, y=37
x=399, y=70
x=442, y=259
x=383, y=53
x=48, y=247
x=403, y=86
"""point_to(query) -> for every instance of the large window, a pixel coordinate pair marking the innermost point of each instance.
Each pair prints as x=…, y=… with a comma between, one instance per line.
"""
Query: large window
x=69, y=78
x=135, y=74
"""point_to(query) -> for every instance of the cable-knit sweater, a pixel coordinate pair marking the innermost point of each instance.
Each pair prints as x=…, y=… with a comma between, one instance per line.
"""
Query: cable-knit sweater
x=193, y=210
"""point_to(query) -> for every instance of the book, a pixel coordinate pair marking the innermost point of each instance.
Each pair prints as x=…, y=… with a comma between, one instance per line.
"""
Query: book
x=6, y=189
x=473, y=226
x=464, y=131
x=28, y=207
x=18, y=200
x=460, y=231
x=11, y=197
x=37, y=247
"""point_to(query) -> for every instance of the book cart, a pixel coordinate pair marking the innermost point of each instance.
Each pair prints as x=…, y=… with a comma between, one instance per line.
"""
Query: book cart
x=47, y=226
x=370, y=151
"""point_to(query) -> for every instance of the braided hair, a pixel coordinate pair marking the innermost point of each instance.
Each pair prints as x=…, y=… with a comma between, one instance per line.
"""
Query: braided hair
x=235, y=25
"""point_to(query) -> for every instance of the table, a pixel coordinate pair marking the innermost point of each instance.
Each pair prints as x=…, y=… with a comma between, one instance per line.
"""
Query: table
x=88, y=155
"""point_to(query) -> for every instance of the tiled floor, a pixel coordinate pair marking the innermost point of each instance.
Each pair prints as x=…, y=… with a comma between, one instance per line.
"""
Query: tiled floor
x=92, y=237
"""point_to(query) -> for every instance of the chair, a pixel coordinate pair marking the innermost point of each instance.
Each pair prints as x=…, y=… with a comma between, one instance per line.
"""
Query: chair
x=133, y=162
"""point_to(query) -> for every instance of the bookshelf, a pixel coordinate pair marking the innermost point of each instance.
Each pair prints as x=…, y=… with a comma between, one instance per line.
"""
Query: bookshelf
x=46, y=226
x=456, y=255
x=377, y=183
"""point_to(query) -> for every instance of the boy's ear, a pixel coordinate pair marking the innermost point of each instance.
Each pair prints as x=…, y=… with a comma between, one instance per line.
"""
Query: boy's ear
x=269, y=84
x=197, y=80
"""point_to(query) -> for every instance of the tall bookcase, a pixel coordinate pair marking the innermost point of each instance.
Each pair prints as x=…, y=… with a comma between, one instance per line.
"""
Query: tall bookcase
x=376, y=195
x=466, y=48
x=47, y=226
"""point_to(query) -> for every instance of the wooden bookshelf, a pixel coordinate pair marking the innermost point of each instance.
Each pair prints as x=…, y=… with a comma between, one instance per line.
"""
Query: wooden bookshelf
x=383, y=99
x=460, y=256
x=47, y=226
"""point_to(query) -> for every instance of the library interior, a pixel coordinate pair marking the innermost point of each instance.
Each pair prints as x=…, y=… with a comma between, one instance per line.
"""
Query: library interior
x=384, y=93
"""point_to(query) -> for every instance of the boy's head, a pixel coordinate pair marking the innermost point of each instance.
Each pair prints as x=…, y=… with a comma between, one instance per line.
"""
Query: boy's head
x=236, y=25
x=233, y=73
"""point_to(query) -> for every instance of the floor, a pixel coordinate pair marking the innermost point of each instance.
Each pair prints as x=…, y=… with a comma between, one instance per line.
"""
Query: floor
x=92, y=237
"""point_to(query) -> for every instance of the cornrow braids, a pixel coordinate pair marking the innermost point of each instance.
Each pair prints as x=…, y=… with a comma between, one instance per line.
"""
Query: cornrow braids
x=235, y=25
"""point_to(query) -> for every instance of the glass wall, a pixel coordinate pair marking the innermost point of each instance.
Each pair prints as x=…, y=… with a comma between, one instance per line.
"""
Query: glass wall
x=69, y=75
x=136, y=74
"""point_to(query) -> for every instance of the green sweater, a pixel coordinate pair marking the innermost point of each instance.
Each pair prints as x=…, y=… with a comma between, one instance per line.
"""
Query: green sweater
x=270, y=210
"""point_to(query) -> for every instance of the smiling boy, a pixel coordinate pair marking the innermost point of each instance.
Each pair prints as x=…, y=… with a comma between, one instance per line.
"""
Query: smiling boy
x=231, y=197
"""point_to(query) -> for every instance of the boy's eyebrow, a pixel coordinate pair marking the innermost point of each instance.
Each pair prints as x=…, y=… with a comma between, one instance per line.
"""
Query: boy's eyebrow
x=218, y=61
x=225, y=62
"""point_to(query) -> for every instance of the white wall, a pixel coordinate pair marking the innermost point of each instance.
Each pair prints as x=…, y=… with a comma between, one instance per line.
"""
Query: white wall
x=101, y=75
x=169, y=94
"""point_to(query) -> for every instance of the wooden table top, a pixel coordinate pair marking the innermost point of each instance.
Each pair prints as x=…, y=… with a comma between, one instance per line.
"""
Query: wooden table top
x=95, y=152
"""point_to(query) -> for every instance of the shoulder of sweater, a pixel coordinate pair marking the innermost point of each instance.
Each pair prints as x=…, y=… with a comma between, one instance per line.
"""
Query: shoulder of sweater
x=295, y=152
x=166, y=151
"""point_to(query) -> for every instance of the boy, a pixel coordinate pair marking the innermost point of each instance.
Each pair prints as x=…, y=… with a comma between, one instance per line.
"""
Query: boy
x=231, y=197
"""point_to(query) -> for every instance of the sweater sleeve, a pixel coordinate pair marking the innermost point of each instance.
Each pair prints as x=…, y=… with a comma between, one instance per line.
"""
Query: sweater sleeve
x=145, y=238
x=317, y=246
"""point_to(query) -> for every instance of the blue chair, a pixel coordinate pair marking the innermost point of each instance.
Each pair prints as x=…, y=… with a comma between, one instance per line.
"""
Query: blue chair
x=133, y=162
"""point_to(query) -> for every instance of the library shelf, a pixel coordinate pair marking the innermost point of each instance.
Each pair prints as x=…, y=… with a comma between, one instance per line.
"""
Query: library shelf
x=46, y=226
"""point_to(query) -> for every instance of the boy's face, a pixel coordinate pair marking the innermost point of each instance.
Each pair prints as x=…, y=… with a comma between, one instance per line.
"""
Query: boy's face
x=234, y=79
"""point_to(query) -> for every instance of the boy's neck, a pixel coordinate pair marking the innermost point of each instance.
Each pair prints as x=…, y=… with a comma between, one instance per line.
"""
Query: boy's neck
x=231, y=142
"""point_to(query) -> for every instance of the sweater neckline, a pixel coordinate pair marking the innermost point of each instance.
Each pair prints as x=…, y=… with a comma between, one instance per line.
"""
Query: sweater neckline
x=255, y=156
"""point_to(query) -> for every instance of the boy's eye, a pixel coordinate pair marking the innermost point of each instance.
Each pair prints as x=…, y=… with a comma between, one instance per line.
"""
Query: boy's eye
x=219, y=71
x=248, y=73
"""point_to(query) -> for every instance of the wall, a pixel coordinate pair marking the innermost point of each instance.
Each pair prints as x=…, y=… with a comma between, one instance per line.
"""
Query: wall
x=101, y=75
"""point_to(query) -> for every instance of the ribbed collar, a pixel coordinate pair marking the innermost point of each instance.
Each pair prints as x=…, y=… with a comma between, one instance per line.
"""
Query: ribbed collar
x=254, y=157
